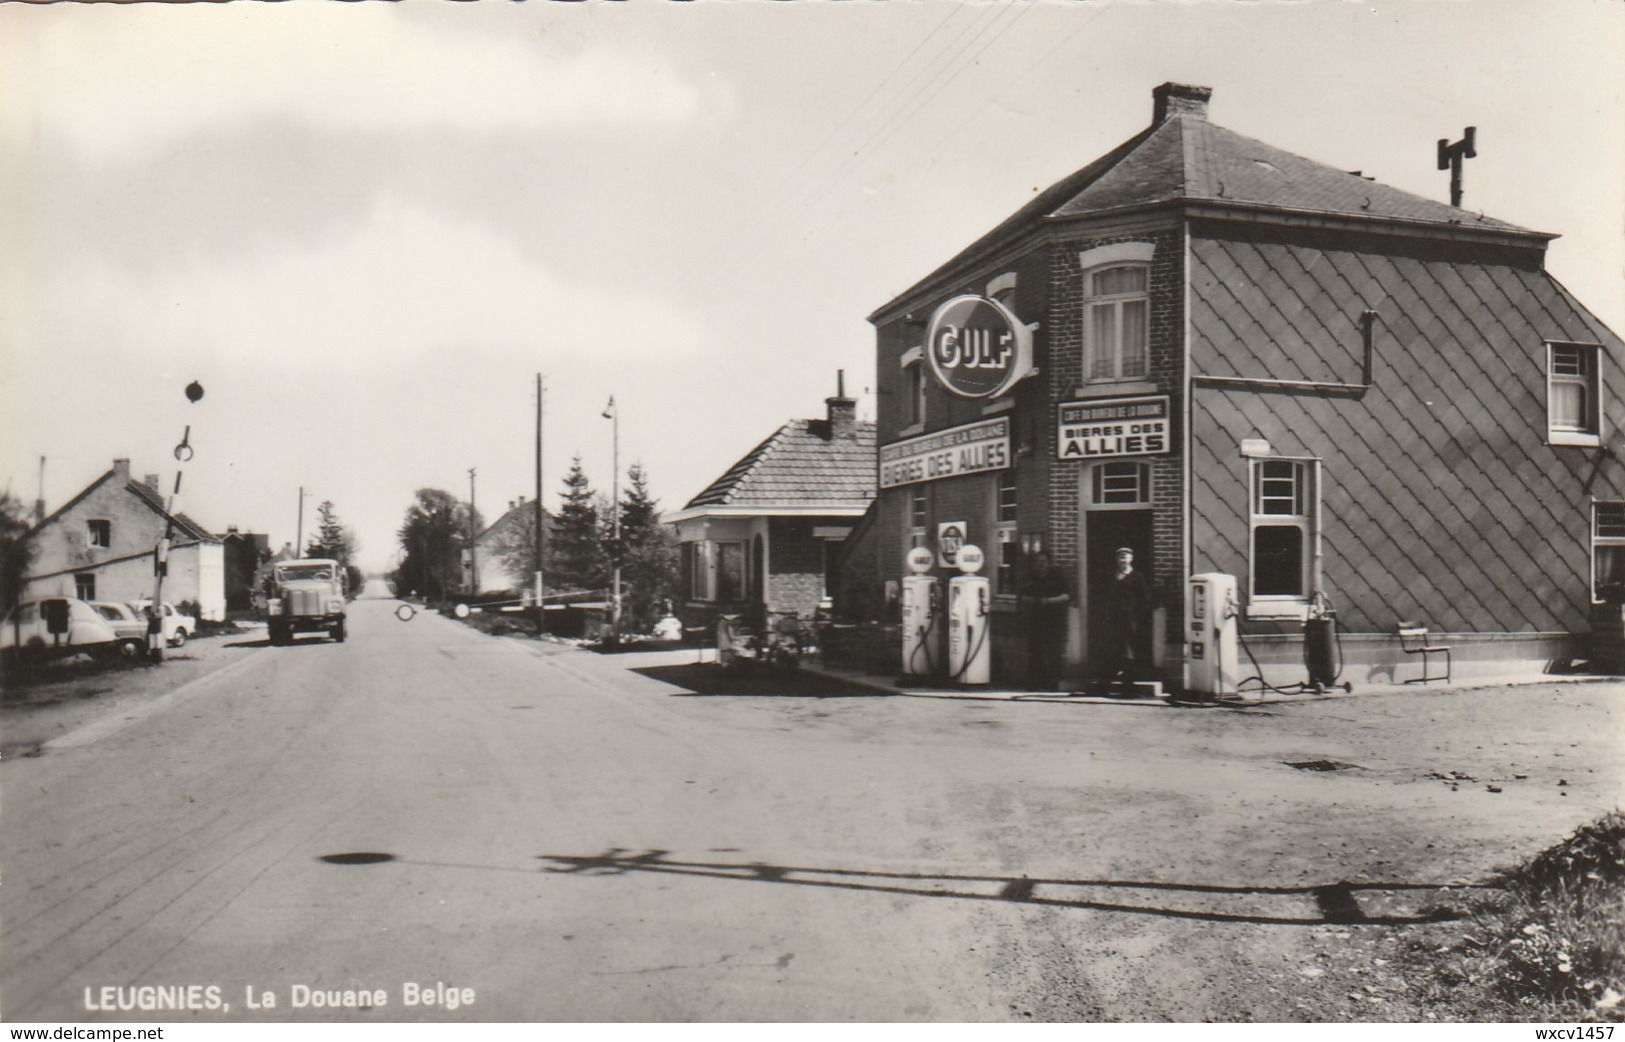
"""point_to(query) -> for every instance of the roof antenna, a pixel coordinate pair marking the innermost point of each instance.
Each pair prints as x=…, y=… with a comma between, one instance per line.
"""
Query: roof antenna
x=1451, y=157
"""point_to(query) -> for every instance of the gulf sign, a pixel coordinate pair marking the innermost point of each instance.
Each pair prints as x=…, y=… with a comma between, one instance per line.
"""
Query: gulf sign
x=978, y=348
x=1106, y=427
x=971, y=449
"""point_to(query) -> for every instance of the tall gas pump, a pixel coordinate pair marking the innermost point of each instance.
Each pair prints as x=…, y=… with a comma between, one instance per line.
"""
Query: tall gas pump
x=922, y=612
x=1211, y=639
x=970, y=653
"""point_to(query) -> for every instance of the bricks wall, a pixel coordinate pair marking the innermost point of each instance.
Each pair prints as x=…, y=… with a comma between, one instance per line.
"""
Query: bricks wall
x=795, y=565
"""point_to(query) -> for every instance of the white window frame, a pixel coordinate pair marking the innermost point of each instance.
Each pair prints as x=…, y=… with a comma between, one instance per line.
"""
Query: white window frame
x=1097, y=485
x=1306, y=495
x=1606, y=535
x=1006, y=544
x=919, y=515
x=1134, y=255
x=744, y=569
x=1587, y=359
x=912, y=391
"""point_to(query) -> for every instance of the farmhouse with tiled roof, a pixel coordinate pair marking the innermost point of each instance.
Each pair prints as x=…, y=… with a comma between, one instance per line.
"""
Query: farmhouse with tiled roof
x=763, y=537
x=1362, y=404
x=101, y=543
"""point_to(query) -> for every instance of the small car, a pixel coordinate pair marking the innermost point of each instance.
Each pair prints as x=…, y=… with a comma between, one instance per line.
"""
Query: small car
x=54, y=627
x=177, y=627
x=128, y=626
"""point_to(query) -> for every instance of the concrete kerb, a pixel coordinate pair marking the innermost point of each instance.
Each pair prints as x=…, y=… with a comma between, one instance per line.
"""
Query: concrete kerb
x=1264, y=698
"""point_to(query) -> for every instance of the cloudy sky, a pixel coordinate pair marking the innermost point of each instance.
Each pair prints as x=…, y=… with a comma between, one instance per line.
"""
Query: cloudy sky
x=365, y=228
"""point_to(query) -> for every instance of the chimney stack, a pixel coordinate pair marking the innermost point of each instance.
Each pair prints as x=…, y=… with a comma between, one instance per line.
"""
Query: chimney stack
x=151, y=481
x=843, y=411
x=121, y=470
x=1179, y=99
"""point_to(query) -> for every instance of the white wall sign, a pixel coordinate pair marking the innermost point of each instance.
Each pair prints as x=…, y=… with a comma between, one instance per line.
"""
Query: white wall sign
x=971, y=449
x=1103, y=427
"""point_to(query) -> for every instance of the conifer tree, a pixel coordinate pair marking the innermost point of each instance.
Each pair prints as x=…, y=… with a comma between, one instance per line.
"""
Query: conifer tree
x=577, y=558
x=648, y=552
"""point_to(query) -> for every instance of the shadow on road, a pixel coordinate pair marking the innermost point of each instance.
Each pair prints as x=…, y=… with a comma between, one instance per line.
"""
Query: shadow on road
x=1342, y=903
x=706, y=679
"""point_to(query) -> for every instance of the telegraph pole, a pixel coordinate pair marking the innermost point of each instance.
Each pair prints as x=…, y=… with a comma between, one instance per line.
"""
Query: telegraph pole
x=299, y=527
x=473, y=565
x=541, y=514
x=160, y=553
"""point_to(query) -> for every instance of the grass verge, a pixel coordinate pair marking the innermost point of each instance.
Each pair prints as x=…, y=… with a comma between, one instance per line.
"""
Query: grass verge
x=1548, y=945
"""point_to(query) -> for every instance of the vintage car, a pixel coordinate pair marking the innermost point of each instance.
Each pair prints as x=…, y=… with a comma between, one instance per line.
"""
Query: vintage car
x=129, y=625
x=305, y=596
x=177, y=626
x=54, y=627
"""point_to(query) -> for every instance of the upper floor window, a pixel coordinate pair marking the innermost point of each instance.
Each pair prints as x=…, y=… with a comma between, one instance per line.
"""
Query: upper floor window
x=1118, y=310
x=1572, y=406
x=101, y=533
x=914, y=393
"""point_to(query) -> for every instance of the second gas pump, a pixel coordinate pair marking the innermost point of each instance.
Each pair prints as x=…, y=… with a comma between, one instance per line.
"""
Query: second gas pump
x=970, y=652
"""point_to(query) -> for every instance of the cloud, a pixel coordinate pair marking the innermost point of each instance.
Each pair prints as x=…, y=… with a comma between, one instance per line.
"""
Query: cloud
x=403, y=284
x=136, y=77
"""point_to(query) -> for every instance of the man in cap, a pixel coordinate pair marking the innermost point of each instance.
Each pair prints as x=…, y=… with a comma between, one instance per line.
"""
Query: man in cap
x=1127, y=621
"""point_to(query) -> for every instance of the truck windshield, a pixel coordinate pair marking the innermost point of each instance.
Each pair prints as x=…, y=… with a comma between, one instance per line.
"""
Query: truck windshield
x=295, y=573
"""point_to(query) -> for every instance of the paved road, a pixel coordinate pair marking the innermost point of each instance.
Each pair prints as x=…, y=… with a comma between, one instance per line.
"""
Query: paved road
x=577, y=837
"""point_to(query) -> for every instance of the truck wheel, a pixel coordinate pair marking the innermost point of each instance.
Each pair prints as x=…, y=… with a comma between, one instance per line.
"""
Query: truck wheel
x=279, y=635
x=337, y=631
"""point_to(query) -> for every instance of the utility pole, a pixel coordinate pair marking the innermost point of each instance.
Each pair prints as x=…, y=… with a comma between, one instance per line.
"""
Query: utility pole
x=299, y=527
x=473, y=565
x=615, y=515
x=160, y=553
x=541, y=514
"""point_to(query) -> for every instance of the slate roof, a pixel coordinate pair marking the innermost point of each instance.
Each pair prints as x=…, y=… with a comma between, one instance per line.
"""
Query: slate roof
x=1439, y=475
x=1187, y=159
x=800, y=466
x=184, y=525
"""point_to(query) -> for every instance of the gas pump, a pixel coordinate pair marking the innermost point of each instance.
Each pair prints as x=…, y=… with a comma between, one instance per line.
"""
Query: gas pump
x=970, y=655
x=922, y=607
x=1211, y=639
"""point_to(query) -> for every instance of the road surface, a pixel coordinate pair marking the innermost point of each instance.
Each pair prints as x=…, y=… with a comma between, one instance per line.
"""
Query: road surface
x=428, y=823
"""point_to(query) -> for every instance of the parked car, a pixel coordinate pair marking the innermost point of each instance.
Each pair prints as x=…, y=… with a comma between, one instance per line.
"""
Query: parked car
x=54, y=627
x=129, y=626
x=177, y=627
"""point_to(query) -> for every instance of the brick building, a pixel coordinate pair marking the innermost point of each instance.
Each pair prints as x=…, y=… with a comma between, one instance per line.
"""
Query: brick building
x=100, y=546
x=763, y=538
x=1234, y=359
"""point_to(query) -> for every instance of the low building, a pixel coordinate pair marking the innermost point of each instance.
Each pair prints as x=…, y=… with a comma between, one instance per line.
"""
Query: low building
x=505, y=552
x=763, y=538
x=101, y=545
x=1359, y=402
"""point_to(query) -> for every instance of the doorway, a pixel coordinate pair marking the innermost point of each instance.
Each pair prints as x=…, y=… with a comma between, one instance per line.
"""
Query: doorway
x=1108, y=530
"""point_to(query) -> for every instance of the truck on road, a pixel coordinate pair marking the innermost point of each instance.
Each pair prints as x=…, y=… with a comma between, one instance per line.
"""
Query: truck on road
x=306, y=596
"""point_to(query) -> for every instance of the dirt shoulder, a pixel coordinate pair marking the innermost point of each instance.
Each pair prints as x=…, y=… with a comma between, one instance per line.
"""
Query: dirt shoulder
x=68, y=695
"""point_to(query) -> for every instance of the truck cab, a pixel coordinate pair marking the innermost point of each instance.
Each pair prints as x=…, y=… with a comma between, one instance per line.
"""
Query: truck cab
x=306, y=596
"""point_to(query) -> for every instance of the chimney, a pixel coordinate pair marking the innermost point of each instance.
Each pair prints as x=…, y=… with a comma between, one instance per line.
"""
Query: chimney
x=1179, y=99
x=121, y=471
x=151, y=481
x=843, y=411
x=521, y=500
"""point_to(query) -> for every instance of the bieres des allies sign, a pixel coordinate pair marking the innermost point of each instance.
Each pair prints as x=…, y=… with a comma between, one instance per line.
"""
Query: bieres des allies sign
x=1113, y=427
x=978, y=348
x=970, y=449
